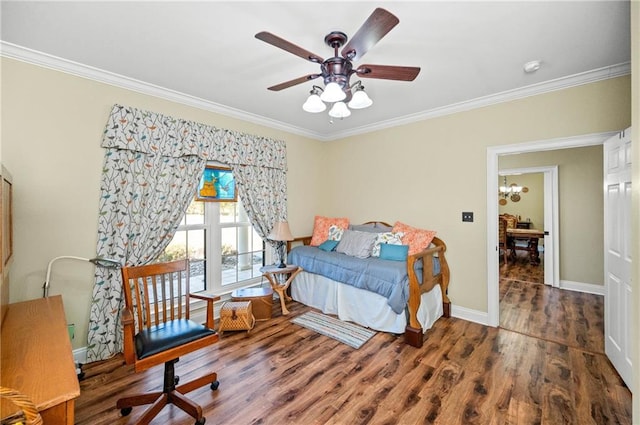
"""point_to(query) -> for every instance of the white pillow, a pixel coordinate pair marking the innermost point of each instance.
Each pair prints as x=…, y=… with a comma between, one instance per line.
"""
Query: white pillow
x=386, y=237
x=335, y=233
x=357, y=244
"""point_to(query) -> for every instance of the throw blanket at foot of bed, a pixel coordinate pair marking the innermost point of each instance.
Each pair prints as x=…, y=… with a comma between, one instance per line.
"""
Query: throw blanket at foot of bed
x=401, y=283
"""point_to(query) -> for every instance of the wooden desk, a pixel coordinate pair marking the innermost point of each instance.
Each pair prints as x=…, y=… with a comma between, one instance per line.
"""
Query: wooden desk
x=37, y=359
x=532, y=236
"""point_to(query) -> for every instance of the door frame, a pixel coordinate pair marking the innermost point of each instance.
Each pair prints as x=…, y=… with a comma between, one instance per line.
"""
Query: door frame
x=493, y=152
x=551, y=217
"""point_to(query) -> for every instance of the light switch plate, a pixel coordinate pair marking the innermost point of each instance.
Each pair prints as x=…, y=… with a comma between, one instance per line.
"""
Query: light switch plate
x=467, y=216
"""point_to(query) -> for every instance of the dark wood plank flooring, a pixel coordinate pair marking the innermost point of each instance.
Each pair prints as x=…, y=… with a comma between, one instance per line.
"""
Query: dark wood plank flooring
x=465, y=373
x=528, y=306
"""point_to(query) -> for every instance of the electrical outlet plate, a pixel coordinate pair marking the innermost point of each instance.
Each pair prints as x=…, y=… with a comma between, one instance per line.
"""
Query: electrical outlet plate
x=467, y=216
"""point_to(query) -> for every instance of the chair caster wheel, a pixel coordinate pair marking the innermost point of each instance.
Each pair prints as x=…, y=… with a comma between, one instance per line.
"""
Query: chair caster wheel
x=214, y=386
x=176, y=380
x=126, y=411
x=201, y=421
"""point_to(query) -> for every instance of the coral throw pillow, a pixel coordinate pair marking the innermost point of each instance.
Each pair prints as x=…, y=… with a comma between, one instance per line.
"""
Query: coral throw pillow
x=417, y=239
x=321, y=228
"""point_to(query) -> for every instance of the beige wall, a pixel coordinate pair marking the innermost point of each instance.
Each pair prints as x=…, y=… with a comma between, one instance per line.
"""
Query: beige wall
x=530, y=207
x=581, y=208
x=424, y=174
x=427, y=173
x=52, y=125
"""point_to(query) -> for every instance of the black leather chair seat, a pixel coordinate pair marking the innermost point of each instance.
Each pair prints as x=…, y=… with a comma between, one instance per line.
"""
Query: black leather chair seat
x=168, y=335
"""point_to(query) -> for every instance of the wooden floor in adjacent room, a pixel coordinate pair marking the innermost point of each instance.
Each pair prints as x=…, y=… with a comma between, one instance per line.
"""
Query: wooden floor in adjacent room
x=528, y=306
x=465, y=373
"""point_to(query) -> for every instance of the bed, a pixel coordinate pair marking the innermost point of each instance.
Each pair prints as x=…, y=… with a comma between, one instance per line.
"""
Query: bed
x=390, y=296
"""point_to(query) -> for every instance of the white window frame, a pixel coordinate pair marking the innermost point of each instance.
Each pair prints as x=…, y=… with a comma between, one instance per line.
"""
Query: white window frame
x=212, y=228
x=212, y=209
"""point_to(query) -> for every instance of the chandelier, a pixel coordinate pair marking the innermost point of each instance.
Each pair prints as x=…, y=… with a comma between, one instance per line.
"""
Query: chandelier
x=337, y=94
x=511, y=191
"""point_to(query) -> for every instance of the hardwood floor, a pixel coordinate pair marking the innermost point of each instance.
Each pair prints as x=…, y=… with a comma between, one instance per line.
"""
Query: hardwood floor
x=567, y=317
x=465, y=373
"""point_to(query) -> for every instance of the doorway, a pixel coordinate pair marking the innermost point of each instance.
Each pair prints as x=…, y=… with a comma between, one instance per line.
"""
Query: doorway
x=493, y=154
x=545, y=216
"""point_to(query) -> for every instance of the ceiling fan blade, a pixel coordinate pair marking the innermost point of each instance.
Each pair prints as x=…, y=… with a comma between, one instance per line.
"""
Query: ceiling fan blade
x=294, y=82
x=274, y=40
x=375, y=27
x=386, y=72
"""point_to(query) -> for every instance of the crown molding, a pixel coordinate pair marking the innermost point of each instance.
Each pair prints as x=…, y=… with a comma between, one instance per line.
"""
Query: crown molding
x=55, y=63
x=45, y=60
x=587, y=77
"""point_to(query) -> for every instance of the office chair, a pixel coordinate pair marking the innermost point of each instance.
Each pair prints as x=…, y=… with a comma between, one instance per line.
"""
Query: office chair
x=157, y=329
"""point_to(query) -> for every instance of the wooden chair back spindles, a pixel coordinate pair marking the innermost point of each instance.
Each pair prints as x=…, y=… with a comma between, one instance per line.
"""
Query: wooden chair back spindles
x=157, y=293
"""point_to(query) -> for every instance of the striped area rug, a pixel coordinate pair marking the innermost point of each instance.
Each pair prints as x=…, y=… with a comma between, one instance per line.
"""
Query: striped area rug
x=345, y=332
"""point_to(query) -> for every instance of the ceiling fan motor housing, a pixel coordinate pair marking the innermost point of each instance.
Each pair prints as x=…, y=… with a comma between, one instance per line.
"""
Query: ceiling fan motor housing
x=337, y=70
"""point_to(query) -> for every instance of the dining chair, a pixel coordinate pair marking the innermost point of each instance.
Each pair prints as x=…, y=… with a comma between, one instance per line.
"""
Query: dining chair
x=503, y=240
x=158, y=329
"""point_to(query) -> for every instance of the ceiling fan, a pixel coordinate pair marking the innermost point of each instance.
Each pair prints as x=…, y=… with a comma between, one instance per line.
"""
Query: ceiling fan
x=337, y=70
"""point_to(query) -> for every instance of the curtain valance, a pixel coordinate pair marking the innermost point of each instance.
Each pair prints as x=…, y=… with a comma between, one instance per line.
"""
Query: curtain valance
x=153, y=133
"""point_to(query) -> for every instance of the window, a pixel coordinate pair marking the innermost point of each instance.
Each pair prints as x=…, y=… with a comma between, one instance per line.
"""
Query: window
x=223, y=249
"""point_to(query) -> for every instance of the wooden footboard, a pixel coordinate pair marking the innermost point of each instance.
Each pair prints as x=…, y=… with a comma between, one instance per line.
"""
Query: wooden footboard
x=413, y=333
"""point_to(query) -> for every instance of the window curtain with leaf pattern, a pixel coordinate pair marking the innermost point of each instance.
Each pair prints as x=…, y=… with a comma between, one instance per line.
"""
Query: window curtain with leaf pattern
x=152, y=167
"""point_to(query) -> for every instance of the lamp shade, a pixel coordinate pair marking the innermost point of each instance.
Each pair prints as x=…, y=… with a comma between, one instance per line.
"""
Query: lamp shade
x=333, y=93
x=280, y=232
x=360, y=100
x=314, y=104
x=339, y=110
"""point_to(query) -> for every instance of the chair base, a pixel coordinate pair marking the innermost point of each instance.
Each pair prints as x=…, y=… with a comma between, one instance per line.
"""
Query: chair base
x=171, y=394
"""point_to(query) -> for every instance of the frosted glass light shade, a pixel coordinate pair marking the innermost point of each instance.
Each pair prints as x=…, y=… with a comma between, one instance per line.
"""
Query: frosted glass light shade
x=360, y=100
x=314, y=104
x=333, y=93
x=339, y=110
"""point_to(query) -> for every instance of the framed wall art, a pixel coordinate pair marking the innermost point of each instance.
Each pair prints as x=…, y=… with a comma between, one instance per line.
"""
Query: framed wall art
x=217, y=185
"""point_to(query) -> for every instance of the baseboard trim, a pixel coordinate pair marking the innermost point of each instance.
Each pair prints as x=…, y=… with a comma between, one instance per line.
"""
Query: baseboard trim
x=588, y=288
x=80, y=355
x=470, y=315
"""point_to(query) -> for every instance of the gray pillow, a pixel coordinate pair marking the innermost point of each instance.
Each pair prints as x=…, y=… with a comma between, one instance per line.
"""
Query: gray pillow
x=364, y=228
x=382, y=228
x=357, y=244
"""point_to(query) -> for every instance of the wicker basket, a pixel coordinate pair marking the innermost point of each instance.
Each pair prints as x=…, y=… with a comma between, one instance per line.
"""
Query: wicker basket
x=29, y=414
x=236, y=316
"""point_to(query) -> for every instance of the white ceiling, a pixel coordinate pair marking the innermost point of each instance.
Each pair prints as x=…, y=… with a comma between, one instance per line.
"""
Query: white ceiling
x=205, y=53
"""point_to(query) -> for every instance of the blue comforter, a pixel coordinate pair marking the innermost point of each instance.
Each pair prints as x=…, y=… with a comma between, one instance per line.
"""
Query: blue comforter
x=384, y=277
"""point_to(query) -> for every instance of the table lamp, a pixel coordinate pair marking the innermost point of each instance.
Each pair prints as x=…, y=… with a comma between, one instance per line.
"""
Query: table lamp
x=281, y=233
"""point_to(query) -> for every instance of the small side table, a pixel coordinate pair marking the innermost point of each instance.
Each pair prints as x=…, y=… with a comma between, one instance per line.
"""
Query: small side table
x=261, y=300
x=272, y=272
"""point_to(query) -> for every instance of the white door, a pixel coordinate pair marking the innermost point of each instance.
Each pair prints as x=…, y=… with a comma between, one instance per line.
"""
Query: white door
x=617, y=262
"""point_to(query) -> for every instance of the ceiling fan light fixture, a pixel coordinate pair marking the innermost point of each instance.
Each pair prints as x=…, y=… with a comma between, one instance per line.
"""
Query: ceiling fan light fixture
x=339, y=110
x=360, y=100
x=314, y=104
x=337, y=70
x=333, y=93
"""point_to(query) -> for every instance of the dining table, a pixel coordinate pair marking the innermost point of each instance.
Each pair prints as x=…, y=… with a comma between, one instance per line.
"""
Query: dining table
x=531, y=236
